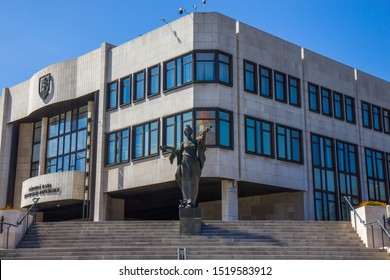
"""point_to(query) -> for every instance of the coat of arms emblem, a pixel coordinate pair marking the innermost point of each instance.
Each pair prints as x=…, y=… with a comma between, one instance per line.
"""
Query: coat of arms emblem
x=44, y=86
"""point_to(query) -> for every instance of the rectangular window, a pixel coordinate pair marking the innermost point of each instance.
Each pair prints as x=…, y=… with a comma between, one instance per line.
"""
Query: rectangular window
x=350, y=115
x=205, y=66
x=174, y=129
x=280, y=87
x=289, y=144
x=154, y=80
x=376, y=182
x=366, y=114
x=117, y=147
x=314, y=98
x=139, y=86
x=386, y=121
x=250, y=77
x=170, y=74
x=259, y=137
x=377, y=118
x=348, y=176
x=326, y=102
x=338, y=106
x=178, y=72
x=187, y=69
x=36, y=149
x=125, y=96
x=324, y=184
x=67, y=141
x=265, y=82
x=145, y=140
x=224, y=68
x=112, y=96
x=294, y=91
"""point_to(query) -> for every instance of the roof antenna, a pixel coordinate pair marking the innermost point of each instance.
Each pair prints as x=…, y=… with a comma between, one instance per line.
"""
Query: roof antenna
x=204, y=5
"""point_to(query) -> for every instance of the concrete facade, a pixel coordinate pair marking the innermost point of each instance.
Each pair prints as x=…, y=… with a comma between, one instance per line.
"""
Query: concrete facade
x=144, y=188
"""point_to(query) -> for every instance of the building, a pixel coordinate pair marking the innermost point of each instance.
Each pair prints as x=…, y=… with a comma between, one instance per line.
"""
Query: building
x=293, y=131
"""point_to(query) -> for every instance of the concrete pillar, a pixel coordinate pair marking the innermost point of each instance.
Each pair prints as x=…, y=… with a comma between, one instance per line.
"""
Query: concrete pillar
x=5, y=147
x=229, y=200
x=42, y=155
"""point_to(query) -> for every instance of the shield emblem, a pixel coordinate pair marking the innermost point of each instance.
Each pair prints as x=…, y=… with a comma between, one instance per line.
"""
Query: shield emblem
x=44, y=86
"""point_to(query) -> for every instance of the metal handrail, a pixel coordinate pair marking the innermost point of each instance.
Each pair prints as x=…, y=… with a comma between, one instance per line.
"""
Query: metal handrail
x=371, y=224
x=32, y=208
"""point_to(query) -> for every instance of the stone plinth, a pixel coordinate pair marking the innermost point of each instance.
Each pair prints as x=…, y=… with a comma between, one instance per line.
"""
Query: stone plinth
x=190, y=221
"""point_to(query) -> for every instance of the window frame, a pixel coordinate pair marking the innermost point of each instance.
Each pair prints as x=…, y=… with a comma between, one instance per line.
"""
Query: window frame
x=341, y=105
x=366, y=113
x=254, y=73
x=117, y=148
x=283, y=86
x=270, y=81
x=374, y=167
x=261, y=134
x=150, y=78
x=289, y=143
x=135, y=86
x=315, y=95
x=386, y=121
x=298, y=91
x=328, y=110
x=109, y=94
x=121, y=91
x=144, y=142
x=353, y=110
x=377, y=117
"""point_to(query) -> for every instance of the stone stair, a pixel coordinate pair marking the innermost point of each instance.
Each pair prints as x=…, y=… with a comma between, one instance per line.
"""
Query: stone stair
x=219, y=240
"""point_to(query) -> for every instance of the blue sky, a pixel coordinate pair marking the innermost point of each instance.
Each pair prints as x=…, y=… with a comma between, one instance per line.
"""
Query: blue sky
x=37, y=33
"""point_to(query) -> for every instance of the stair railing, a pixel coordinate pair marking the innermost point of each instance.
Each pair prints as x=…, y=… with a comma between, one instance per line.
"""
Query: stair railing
x=371, y=224
x=32, y=209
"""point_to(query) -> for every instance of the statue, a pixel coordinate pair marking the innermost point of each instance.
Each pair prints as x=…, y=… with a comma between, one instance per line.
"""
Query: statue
x=190, y=159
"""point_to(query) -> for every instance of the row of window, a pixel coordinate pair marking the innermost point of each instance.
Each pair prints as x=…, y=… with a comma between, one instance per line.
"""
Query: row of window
x=145, y=141
x=331, y=103
x=259, y=140
x=199, y=66
x=336, y=174
x=375, y=117
x=271, y=83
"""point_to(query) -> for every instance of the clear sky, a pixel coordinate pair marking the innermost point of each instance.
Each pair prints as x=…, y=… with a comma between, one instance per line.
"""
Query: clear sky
x=37, y=33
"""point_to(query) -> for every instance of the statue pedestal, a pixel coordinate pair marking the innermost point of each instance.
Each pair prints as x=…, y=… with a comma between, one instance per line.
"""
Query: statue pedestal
x=190, y=221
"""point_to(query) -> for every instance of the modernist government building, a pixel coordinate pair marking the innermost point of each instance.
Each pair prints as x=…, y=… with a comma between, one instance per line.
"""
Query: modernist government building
x=293, y=132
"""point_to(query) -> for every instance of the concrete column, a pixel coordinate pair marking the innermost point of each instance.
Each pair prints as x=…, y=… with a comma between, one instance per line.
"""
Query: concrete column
x=42, y=155
x=229, y=200
x=5, y=147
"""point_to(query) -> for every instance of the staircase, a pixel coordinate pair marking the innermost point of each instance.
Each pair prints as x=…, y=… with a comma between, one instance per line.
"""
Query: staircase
x=219, y=240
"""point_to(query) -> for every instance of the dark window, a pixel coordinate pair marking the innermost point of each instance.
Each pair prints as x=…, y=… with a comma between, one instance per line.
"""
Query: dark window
x=154, y=80
x=376, y=181
x=174, y=128
x=294, y=91
x=325, y=195
x=326, y=102
x=314, y=98
x=117, y=150
x=36, y=149
x=178, y=72
x=145, y=140
x=350, y=109
x=112, y=95
x=67, y=141
x=338, y=106
x=139, y=86
x=366, y=114
x=224, y=68
x=289, y=144
x=259, y=137
x=280, y=87
x=377, y=118
x=221, y=132
x=265, y=82
x=348, y=176
x=205, y=66
x=386, y=121
x=250, y=77
x=125, y=97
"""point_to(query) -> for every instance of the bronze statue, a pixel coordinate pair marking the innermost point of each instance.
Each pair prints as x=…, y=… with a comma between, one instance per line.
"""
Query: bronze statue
x=190, y=161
